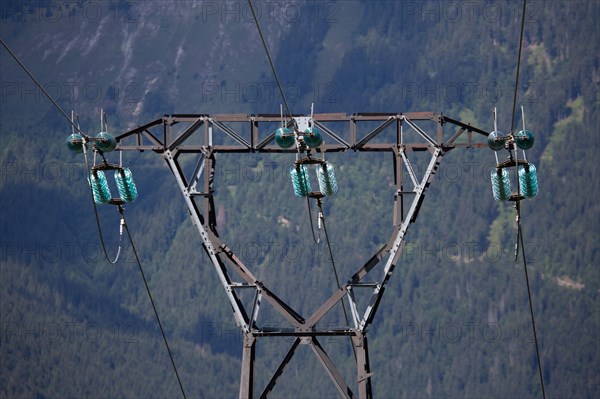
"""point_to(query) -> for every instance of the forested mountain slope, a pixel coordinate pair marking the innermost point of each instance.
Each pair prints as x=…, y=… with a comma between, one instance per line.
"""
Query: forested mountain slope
x=454, y=321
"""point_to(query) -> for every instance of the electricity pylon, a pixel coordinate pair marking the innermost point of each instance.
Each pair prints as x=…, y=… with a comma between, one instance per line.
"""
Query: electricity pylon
x=199, y=136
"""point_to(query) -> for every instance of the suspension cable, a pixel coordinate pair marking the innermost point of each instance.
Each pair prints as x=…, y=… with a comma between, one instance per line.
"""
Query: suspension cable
x=39, y=85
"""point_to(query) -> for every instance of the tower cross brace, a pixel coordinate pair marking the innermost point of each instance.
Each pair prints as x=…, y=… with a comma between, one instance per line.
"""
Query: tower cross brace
x=198, y=188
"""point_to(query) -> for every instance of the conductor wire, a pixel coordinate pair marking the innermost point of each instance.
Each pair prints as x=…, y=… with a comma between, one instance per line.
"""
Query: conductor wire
x=39, y=85
x=262, y=39
x=518, y=208
x=512, y=119
x=337, y=279
x=162, y=331
x=123, y=224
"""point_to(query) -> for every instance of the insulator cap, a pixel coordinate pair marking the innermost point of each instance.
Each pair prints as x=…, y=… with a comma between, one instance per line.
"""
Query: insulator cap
x=105, y=142
x=313, y=138
x=284, y=137
x=496, y=140
x=75, y=142
x=524, y=139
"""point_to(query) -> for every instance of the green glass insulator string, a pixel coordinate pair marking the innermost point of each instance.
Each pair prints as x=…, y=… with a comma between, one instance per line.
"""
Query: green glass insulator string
x=500, y=184
x=327, y=181
x=300, y=180
x=126, y=185
x=528, y=180
x=100, y=188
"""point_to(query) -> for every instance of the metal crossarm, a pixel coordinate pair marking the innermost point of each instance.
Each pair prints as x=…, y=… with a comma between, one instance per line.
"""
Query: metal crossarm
x=197, y=189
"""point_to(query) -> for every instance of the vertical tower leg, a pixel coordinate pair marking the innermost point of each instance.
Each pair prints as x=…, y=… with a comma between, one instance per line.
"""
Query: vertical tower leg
x=247, y=377
x=363, y=369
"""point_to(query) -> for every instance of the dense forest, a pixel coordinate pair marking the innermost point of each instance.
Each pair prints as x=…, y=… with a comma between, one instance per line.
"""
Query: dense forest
x=454, y=321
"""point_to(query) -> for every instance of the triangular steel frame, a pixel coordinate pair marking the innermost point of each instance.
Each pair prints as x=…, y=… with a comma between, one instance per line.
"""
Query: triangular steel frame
x=197, y=190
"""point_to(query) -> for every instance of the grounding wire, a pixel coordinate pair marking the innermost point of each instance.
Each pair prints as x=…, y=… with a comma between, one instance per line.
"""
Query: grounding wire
x=517, y=206
x=39, y=85
x=262, y=39
x=162, y=331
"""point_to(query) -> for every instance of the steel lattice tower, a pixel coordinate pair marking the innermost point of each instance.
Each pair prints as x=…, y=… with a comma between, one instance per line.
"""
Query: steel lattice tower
x=197, y=189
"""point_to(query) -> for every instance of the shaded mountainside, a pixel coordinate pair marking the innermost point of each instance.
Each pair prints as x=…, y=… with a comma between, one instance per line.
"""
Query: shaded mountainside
x=454, y=321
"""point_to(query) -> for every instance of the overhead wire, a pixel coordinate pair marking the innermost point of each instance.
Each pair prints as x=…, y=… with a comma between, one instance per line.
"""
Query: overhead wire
x=123, y=223
x=512, y=119
x=333, y=266
x=40, y=86
x=162, y=331
x=264, y=43
x=518, y=209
